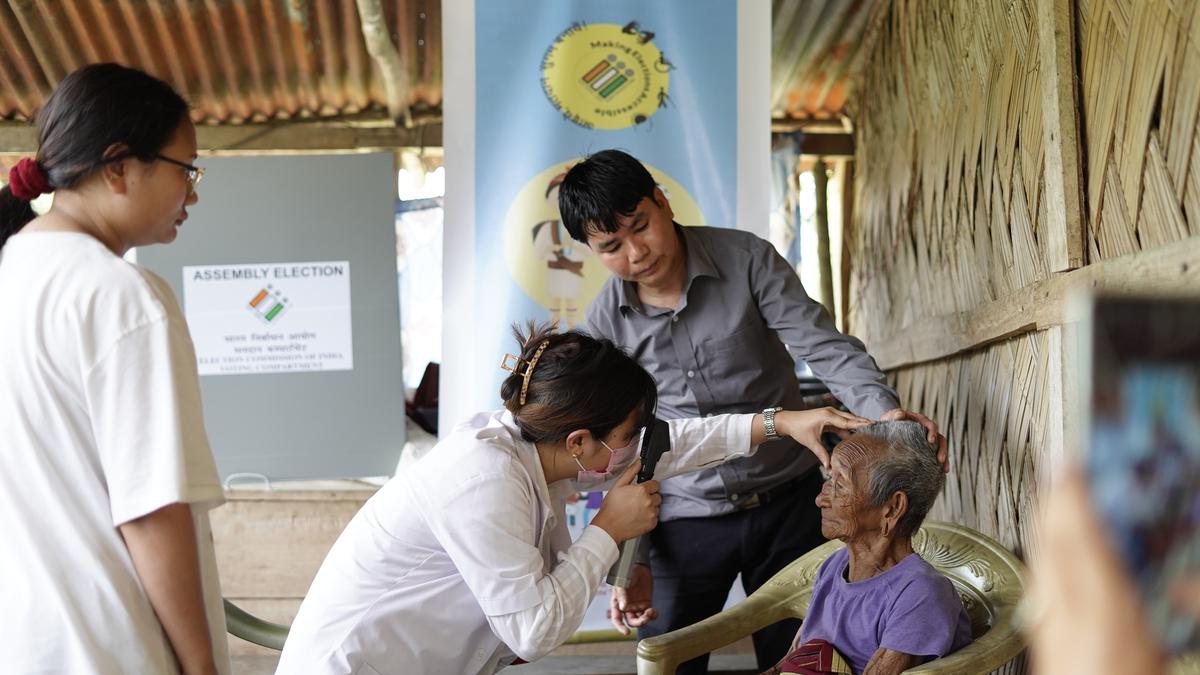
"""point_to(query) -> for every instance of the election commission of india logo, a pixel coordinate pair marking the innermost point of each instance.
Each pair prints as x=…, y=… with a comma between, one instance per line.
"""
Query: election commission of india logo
x=606, y=76
x=268, y=304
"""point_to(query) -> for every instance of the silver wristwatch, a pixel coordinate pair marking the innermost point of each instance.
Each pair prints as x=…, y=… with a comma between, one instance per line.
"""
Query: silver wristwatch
x=769, y=423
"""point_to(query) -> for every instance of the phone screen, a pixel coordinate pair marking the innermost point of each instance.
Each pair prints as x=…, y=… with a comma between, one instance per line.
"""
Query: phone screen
x=1143, y=452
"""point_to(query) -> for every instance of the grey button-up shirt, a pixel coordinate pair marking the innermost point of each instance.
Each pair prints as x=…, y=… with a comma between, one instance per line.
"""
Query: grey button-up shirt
x=725, y=349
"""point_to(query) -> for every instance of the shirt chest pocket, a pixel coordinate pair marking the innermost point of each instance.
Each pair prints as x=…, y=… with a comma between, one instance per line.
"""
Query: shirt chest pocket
x=729, y=354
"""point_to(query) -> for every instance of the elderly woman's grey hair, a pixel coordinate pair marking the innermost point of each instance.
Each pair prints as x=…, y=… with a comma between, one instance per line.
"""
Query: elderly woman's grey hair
x=909, y=465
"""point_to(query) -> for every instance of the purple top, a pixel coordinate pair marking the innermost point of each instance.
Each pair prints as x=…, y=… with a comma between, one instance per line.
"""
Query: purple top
x=910, y=608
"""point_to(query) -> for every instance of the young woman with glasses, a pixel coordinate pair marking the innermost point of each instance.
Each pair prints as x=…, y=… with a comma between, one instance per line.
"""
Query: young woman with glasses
x=107, y=474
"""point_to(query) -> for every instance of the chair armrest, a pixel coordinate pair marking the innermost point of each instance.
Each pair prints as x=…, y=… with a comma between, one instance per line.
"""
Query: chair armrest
x=1186, y=664
x=245, y=625
x=662, y=654
x=784, y=596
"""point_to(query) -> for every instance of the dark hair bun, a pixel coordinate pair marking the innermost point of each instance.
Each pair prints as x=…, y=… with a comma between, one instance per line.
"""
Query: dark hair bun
x=577, y=382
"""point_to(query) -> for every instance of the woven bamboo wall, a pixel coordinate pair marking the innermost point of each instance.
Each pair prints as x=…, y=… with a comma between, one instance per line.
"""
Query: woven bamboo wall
x=1140, y=81
x=949, y=130
x=1009, y=422
x=953, y=242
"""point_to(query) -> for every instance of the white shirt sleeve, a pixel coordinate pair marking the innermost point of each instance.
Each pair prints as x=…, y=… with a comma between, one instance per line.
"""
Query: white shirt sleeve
x=705, y=441
x=565, y=595
x=143, y=397
x=488, y=527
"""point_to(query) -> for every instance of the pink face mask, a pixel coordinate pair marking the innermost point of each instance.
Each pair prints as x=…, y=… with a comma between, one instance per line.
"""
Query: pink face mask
x=618, y=460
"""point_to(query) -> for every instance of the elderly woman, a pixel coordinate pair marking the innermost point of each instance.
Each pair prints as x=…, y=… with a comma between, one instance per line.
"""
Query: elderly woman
x=876, y=603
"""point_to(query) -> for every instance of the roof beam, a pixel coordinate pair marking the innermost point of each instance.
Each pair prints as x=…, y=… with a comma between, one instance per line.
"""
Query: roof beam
x=836, y=125
x=300, y=138
x=825, y=144
x=828, y=145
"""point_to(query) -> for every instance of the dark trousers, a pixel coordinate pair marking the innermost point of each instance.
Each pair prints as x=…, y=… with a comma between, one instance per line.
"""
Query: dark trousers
x=695, y=562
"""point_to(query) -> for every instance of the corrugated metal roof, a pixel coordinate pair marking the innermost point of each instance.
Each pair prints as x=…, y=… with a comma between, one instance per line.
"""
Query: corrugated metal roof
x=241, y=61
x=815, y=45
x=236, y=61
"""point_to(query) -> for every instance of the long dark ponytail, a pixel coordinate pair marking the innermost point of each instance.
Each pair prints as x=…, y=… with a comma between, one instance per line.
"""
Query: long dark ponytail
x=14, y=213
x=91, y=110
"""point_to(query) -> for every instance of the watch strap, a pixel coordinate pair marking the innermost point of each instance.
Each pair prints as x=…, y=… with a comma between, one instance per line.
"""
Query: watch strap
x=769, y=423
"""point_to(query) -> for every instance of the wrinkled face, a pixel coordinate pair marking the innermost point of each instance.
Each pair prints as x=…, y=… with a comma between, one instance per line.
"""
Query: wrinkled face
x=159, y=192
x=645, y=248
x=845, y=503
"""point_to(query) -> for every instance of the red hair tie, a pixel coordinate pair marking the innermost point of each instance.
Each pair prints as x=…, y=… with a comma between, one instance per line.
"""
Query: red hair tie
x=27, y=180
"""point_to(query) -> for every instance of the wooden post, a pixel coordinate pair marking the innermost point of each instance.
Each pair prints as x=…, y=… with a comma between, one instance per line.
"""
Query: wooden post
x=821, y=181
x=396, y=82
x=847, y=239
x=1060, y=108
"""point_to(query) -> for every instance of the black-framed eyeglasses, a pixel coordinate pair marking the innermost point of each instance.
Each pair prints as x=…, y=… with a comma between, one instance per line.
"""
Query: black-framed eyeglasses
x=194, y=173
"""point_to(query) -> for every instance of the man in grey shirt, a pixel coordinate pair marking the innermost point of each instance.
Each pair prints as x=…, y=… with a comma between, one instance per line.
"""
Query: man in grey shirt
x=718, y=317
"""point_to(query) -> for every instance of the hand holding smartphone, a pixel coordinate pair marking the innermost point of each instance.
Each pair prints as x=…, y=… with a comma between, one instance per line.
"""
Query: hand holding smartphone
x=1142, y=451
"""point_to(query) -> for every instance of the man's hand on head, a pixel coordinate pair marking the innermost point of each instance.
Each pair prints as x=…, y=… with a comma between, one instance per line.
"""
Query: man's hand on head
x=935, y=438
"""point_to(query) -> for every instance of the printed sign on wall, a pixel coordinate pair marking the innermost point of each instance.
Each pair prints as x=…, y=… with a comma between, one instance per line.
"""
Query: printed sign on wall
x=270, y=317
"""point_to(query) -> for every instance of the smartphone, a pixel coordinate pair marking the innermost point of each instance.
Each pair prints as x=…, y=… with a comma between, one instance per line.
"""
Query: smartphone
x=1142, y=452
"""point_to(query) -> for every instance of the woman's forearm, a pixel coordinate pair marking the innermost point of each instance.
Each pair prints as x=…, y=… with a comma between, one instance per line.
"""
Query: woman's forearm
x=162, y=545
x=697, y=443
x=566, y=593
x=701, y=442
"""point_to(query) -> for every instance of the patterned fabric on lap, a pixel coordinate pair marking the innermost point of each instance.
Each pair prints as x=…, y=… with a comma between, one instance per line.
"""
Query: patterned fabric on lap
x=816, y=657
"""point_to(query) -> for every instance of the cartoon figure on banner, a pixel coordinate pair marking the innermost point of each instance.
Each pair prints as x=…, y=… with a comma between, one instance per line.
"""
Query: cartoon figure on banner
x=564, y=259
x=549, y=267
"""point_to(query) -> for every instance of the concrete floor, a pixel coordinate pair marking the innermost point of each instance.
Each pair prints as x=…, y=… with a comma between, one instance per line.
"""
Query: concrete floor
x=254, y=665
x=724, y=664
x=606, y=658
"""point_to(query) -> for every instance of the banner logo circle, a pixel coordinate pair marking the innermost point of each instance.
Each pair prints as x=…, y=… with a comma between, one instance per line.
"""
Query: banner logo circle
x=606, y=76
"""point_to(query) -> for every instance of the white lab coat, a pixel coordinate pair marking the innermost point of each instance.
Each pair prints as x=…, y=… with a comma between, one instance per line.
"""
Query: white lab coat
x=464, y=562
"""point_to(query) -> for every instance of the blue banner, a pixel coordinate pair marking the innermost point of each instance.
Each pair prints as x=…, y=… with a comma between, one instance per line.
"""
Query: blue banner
x=552, y=83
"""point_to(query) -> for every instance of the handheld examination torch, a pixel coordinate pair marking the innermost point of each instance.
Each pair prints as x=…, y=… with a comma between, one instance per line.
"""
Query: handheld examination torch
x=658, y=441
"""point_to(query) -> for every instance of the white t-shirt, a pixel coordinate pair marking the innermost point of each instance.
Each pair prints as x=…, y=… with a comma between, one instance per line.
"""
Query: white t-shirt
x=464, y=561
x=100, y=423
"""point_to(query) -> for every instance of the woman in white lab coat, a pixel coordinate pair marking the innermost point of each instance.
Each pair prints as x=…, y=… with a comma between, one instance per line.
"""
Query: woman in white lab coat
x=463, y=564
